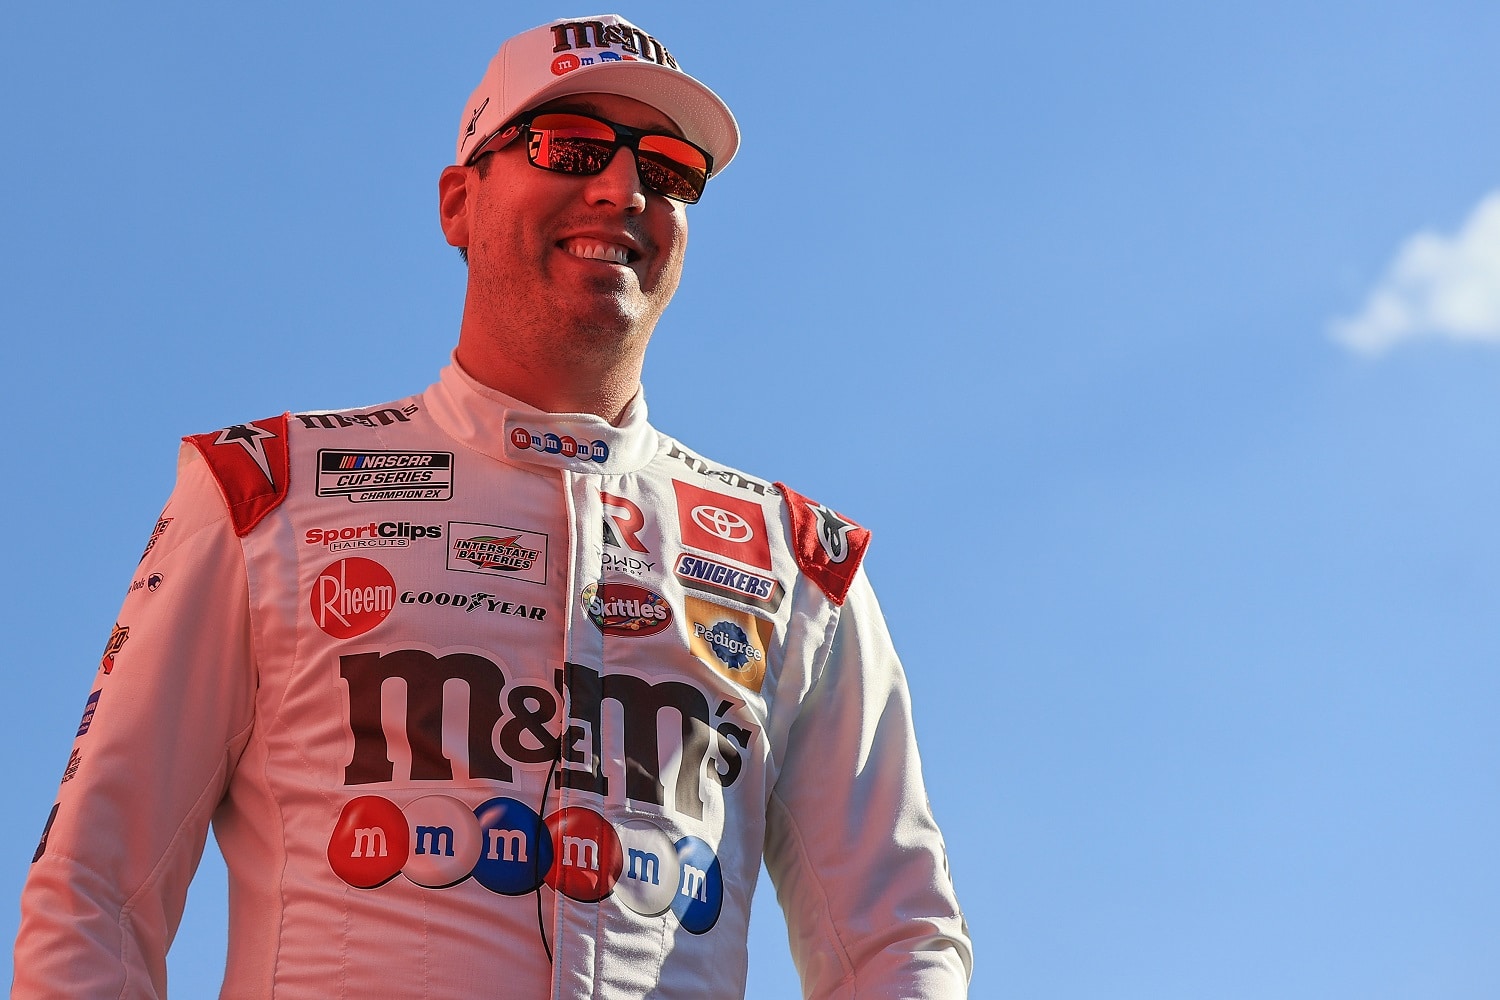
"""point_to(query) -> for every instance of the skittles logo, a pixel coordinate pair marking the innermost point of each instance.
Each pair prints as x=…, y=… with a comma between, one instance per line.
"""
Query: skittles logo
x=437, y=842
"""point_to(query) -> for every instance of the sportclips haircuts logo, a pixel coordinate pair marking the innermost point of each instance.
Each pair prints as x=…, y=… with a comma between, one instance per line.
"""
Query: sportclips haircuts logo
x=352, y=596
x=624, y=609
x=437, y=841
x=382, y=535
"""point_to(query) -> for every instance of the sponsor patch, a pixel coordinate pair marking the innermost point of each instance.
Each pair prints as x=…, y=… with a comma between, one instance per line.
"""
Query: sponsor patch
x=726, y=476
x=623, y=521
x=383, y=417
x=156, y=533
x=497, y=550
x=730, y=642
x=523, y=439
x=74, y=759
x=151, y=582
x=351, y=596
x=88, y=712
x=474, y=602
x=618, y=562
x=117, y=640
x=374, y=535
x=732, y=527
x=373, y=476
x=624, y=609
x=713, y=577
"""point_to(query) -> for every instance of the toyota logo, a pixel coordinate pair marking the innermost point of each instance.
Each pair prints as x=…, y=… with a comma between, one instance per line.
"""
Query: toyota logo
x=725, y=523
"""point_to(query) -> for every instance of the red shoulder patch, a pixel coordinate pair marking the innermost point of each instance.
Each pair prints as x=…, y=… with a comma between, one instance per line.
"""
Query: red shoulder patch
x=828, y=546
x=252, y=466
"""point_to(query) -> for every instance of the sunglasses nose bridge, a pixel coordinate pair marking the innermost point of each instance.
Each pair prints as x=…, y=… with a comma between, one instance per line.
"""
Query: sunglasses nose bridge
x=620, y=181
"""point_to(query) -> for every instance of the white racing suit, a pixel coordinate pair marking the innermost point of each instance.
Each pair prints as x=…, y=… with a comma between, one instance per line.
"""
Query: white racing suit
x=484, y=701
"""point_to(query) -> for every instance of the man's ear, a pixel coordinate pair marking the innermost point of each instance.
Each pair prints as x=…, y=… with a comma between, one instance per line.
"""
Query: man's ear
x=453, y=204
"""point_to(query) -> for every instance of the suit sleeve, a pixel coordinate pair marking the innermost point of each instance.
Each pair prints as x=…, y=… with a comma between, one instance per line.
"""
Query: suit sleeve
x=168, y=714
x=851, y=845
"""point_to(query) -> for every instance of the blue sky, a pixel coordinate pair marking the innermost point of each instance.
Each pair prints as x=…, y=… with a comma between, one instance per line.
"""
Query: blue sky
x=1158, y=346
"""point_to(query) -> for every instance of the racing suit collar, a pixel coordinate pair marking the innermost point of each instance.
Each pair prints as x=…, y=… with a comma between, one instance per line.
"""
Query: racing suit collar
x=503, y=427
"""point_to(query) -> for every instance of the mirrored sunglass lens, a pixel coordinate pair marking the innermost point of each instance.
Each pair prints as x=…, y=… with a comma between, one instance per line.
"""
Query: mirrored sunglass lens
x=669, y=177
x=675, y=168
x=570, y=143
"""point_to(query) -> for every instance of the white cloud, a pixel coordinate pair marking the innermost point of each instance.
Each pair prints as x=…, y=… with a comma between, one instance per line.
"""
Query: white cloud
x=1437, y=286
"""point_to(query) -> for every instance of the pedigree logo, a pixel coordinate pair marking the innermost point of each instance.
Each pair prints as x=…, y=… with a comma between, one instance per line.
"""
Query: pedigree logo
x=626, y=610
x=728, y=526
x=352, y=596
x=730, y=642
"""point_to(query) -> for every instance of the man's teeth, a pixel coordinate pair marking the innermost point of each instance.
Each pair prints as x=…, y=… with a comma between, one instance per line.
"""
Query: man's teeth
x=594, y=250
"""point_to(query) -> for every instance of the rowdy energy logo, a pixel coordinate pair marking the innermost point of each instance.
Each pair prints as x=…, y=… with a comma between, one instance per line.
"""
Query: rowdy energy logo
x=352, y=596
x=497, y=550
x=624, y=609
x=370, y=476
x=437, y=841
x=730, y=642
x=732, y=527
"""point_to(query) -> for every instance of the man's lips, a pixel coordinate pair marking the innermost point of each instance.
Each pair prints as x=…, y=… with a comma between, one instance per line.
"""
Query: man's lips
x=594, y=248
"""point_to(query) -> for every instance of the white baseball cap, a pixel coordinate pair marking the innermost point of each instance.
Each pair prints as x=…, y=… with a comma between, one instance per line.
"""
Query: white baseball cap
x=600, y=54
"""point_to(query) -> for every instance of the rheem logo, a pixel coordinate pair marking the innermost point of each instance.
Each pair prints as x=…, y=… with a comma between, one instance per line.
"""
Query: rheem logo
x=352, y=596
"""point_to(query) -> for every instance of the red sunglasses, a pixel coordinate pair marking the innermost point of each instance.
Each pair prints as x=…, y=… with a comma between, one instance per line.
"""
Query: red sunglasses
x=568, y=142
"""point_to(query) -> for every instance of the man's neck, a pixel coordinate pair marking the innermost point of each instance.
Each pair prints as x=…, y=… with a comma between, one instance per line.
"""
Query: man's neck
x=556, y=384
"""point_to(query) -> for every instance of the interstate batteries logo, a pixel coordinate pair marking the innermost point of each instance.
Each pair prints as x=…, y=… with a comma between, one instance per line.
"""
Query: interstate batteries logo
x=729, y=642
x=371, y=476
x=352, y=596
x=626, y=610
x=497, y=550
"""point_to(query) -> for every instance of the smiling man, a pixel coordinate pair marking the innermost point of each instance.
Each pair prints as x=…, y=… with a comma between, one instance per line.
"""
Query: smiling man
x=496, y=689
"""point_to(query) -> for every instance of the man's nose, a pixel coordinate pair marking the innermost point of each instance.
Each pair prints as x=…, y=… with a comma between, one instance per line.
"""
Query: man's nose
x=618, y=184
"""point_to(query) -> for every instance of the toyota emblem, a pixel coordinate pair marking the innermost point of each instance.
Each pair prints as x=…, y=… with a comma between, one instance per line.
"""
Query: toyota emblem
x=726, y=524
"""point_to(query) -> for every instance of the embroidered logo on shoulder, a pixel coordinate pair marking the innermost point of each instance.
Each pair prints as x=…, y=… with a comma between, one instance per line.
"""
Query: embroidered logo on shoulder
x=250, y=463
x=339, y=419
x=828, y=546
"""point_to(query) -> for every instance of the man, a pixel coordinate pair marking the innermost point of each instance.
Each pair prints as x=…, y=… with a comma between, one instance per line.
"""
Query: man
x=495, y=689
